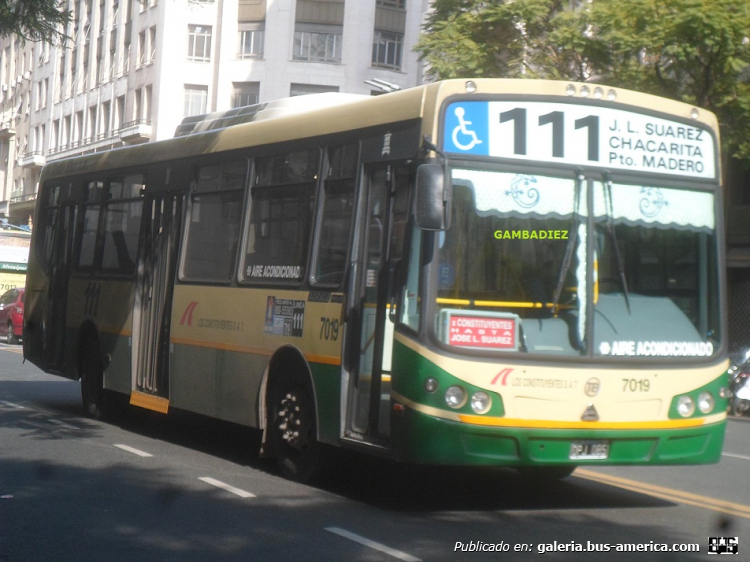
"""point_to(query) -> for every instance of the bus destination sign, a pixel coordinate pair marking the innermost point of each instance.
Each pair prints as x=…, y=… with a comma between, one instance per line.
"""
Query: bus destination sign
x=583, y=135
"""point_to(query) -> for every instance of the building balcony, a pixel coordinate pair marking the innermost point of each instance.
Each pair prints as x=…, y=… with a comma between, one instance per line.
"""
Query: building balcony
x=32, y=160
x=135, y=132
x=6, y=131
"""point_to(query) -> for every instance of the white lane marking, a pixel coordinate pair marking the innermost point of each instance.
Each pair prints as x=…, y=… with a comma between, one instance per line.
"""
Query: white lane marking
x=227, y=487
x=372, y=544
x=62, y=424
x=12, y=405
x=744, y=457
x=134, y=451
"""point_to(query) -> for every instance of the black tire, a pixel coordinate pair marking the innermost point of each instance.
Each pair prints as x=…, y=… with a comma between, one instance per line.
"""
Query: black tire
x=292, y=430
x=10, y=336
x=92, y=381
x=546, y=474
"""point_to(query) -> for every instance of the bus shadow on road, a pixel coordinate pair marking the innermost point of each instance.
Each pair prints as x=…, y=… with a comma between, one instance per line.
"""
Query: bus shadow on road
x=47, y=410
x=408, y=488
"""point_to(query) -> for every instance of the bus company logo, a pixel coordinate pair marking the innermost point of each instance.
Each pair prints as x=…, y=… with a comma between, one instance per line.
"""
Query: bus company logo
x=592, y=387
x=502, y=376
x=187, y=316
x=723, y=545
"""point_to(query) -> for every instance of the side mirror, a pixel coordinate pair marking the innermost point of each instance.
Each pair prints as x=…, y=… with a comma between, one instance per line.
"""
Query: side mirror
x=433, y=197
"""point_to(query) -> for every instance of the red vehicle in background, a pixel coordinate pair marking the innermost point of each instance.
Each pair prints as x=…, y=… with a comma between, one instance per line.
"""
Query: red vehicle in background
x=11, y=315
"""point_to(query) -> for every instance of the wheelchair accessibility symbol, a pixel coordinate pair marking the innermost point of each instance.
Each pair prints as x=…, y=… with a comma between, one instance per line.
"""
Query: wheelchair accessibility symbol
x=463, y=137
x=466, y=128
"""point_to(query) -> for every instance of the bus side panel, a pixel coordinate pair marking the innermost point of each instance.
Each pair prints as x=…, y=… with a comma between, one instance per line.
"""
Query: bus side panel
x=223, y=338
x=327, y=382
x=217, y=382
x=106, y=305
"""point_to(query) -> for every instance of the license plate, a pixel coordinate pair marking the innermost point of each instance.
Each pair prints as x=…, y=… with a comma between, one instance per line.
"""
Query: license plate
x=589, y=450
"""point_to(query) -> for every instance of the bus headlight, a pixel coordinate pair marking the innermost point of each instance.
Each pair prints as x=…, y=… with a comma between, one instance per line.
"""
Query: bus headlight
x=705, y=402
x=481, y=402
x=431, y=384
x=685, y=406
x=455, y=396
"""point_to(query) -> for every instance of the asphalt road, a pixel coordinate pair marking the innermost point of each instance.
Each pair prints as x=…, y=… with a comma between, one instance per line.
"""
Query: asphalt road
x=143, y=486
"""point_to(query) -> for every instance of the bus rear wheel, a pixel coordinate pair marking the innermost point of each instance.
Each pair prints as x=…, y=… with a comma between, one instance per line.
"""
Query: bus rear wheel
x=92, y=381
x=293, y=430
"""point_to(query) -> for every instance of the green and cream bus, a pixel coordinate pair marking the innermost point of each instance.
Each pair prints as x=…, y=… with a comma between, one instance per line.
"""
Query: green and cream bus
x=471, y=272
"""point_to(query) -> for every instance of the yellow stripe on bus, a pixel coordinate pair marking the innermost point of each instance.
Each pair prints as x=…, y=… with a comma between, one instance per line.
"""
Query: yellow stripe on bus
x=325, y=359
x=551, y=424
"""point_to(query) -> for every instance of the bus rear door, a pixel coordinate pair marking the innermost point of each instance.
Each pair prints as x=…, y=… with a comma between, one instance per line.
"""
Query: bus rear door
x=152, y=305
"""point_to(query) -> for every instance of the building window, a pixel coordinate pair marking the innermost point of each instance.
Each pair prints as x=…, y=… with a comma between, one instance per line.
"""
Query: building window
x=151, y=52
x=386, y=49
x=142, y=49
x=252, y=37
x=317, y=43
x=401, y=4
x=245, y=93
x=199, y=43
x=196, y=98
x=304, y=89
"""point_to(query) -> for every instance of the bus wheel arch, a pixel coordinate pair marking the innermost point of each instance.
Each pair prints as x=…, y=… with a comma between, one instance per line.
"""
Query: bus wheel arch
x=290, y=416
x=91, y=371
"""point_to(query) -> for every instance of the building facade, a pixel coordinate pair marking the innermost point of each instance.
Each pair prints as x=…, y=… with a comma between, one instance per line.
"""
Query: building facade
x=133, y=69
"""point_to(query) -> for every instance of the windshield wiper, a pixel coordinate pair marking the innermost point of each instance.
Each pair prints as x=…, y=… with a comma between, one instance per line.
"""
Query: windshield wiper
x=609, y=209
x=570, y=248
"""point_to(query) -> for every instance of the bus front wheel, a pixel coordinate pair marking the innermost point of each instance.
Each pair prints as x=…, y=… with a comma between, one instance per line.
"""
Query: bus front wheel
x=292, y=430
x=92, y=381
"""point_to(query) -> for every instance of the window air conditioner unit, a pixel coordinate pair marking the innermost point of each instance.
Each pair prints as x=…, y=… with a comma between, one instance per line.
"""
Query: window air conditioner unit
x=5, y=88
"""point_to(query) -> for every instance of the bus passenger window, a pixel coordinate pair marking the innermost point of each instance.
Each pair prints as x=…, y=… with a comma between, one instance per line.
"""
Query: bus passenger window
x=281, y=211
x=214, y=224
x=88, y=234
x=334, y=235
x=122, y=222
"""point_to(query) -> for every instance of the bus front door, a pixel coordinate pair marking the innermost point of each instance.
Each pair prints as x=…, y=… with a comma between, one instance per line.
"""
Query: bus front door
x=370, y=364
x=161, y=230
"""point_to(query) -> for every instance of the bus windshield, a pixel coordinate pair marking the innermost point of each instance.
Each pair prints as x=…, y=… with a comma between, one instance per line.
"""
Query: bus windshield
x=515, y=272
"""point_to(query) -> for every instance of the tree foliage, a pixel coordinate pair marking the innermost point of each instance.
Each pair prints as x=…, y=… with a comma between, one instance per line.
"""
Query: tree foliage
x=696, y=51
x=33, y=20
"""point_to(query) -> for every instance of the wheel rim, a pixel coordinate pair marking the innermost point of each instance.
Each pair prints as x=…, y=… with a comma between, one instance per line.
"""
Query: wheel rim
x=294, y=421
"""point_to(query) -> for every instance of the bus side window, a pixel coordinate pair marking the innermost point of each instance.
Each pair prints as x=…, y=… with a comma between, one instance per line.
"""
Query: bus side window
x=215, y=219
x=88, y=235
x=334, y=234
x=122, y=222
x=279, y=232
